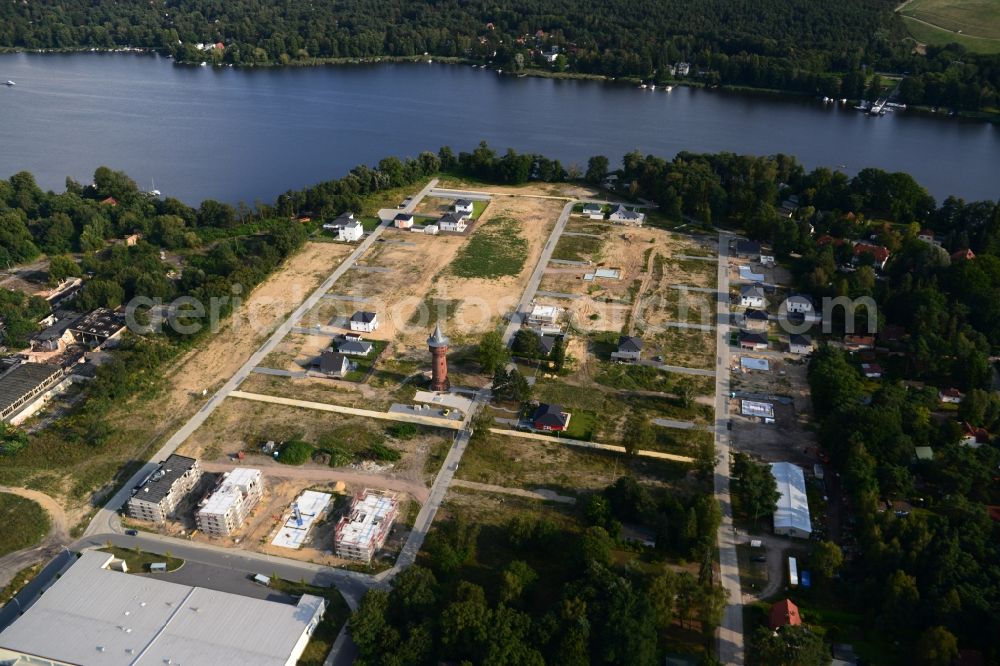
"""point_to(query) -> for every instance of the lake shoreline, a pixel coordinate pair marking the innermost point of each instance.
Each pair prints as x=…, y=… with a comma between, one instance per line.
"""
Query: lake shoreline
x=977, y=116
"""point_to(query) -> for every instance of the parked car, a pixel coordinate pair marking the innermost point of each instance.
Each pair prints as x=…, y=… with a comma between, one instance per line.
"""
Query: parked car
x=759, y=558
x=131, y=532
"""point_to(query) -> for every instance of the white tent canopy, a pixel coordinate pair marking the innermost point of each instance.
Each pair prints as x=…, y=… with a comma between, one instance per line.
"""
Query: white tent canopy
x=791, y=518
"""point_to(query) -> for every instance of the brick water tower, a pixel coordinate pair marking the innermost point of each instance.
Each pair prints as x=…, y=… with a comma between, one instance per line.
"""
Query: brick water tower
x=438, y=345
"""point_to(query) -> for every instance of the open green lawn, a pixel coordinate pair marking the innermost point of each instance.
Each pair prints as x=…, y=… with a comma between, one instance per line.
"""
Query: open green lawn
x=578, y=248
x=362, y=364
x=974, y=24
x=495, y=250
x=138, y=561
x=24, y=522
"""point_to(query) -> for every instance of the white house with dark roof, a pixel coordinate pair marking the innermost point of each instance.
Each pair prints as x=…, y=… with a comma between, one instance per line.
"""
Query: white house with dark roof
x=354, y=346
x=364, y=321
x=593, y=211
x=798, y=303
x=622, y=215
x=403, y=221
x=629, y=349
x=463, y=206
x=800, y=344
x=453, y=222
x=351, y=232
x=755, y=320
x=752, y=296
x=334, y=364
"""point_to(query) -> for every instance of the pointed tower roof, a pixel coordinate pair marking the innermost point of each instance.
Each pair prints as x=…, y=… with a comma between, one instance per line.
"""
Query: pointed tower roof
x=437, y=339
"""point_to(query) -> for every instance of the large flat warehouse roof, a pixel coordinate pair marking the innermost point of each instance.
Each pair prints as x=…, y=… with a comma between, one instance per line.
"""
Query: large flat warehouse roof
x=95, y=616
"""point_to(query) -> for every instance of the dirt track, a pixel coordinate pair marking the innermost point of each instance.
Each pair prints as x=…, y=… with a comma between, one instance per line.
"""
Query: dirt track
x=57, y=537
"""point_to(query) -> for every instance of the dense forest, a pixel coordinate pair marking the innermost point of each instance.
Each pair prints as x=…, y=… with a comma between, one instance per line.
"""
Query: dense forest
x=549, y=591
x=805, y=46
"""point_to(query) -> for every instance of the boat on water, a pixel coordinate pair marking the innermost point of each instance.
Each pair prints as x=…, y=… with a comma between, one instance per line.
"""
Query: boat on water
x=668, y=88
x=9, y=84
x=652, y=87
x=642, y=86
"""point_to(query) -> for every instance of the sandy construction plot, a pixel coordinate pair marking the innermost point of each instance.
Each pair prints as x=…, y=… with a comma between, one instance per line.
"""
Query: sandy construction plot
x=207, y=367
x=564, y=190
x=479, y=303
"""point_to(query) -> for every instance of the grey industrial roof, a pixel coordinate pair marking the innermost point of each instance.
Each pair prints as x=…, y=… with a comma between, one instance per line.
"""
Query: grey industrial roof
x=159, y=484
x=24, y=379
x=102, y=322
x=793, y=508
x=92, y=615
x=56, y=330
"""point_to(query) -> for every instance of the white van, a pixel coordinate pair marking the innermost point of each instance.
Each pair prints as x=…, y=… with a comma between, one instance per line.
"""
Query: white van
x=261, y=579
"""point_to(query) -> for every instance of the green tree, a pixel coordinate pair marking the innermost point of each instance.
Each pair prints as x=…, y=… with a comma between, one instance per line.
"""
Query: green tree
x=465, y=623
x=793, y=645
x=755, y=486
x=826, y=559
x=936, y=647
x=62, y=267
x=639, y=434
x=517, y=577
x=597, y=169
x=492, y=352
x=526, y=342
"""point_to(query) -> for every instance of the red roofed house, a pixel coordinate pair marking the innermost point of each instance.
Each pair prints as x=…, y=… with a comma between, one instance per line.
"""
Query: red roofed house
x=973, y=437
x=550, y=417
x=950, y=395
x=110, y=201
x=963, y=255
x=878, y=253
x=859, y=342
x=784, y=613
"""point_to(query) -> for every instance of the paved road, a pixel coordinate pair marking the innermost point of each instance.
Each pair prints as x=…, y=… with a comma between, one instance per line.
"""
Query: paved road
x=694, y=257
x=531, y=289
x=106, y=519
x=342, y=297
x=277, y=372
x=730, y=632
x=52, y=543
x=557, y=294
x=591, y=445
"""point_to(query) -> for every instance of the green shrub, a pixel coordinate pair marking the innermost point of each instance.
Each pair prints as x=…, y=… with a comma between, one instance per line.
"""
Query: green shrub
x=295, y=452
x=381, y=452
x=402, y=431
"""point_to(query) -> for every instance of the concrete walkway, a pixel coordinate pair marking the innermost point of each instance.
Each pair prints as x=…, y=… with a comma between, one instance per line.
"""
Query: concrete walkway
x=591, y=445
x=541, y=494
x=730, y=632
x=449, y=424
x=671, y=423
x=700, y=372
x=703, y=290
x=684, y=324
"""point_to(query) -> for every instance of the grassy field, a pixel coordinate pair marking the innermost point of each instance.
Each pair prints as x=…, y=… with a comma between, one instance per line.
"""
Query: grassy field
x=578, y=248
x=25, y=523
x=974, y=24
x=139, y=560
x=495, y=250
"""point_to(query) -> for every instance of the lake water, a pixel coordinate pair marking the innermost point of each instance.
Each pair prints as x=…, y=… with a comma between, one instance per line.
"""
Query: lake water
x=230, y=134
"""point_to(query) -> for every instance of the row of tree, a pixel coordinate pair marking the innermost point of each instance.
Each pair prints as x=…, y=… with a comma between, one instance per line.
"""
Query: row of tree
x=807, y=46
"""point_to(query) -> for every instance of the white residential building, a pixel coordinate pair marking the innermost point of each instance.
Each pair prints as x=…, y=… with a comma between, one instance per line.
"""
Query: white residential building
x=157, y=497
x=454, y=222
x=622, y=215
x=752, y=296
x=403, y=221
x=463, y=206
x=798, y=303
x=351, y=232
x=225, y=509
x=364, y=322
x=791, y=518
x=593, y=211
x=544, y=315
x=361, y=533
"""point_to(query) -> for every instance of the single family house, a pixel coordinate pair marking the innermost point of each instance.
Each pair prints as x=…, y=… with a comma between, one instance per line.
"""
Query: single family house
x=622, y=215
x=629, y=349
x=752, y=296
x=364, y=321
x=753, y=341
x=550, y=418
x=800, y=344
x=593, y=211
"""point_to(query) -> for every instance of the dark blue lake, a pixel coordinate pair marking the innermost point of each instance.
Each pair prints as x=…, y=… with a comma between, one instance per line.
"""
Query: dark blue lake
x=235, y=134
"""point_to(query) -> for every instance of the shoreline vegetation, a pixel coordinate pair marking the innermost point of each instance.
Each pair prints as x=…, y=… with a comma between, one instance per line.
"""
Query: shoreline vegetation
x=990, y=116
